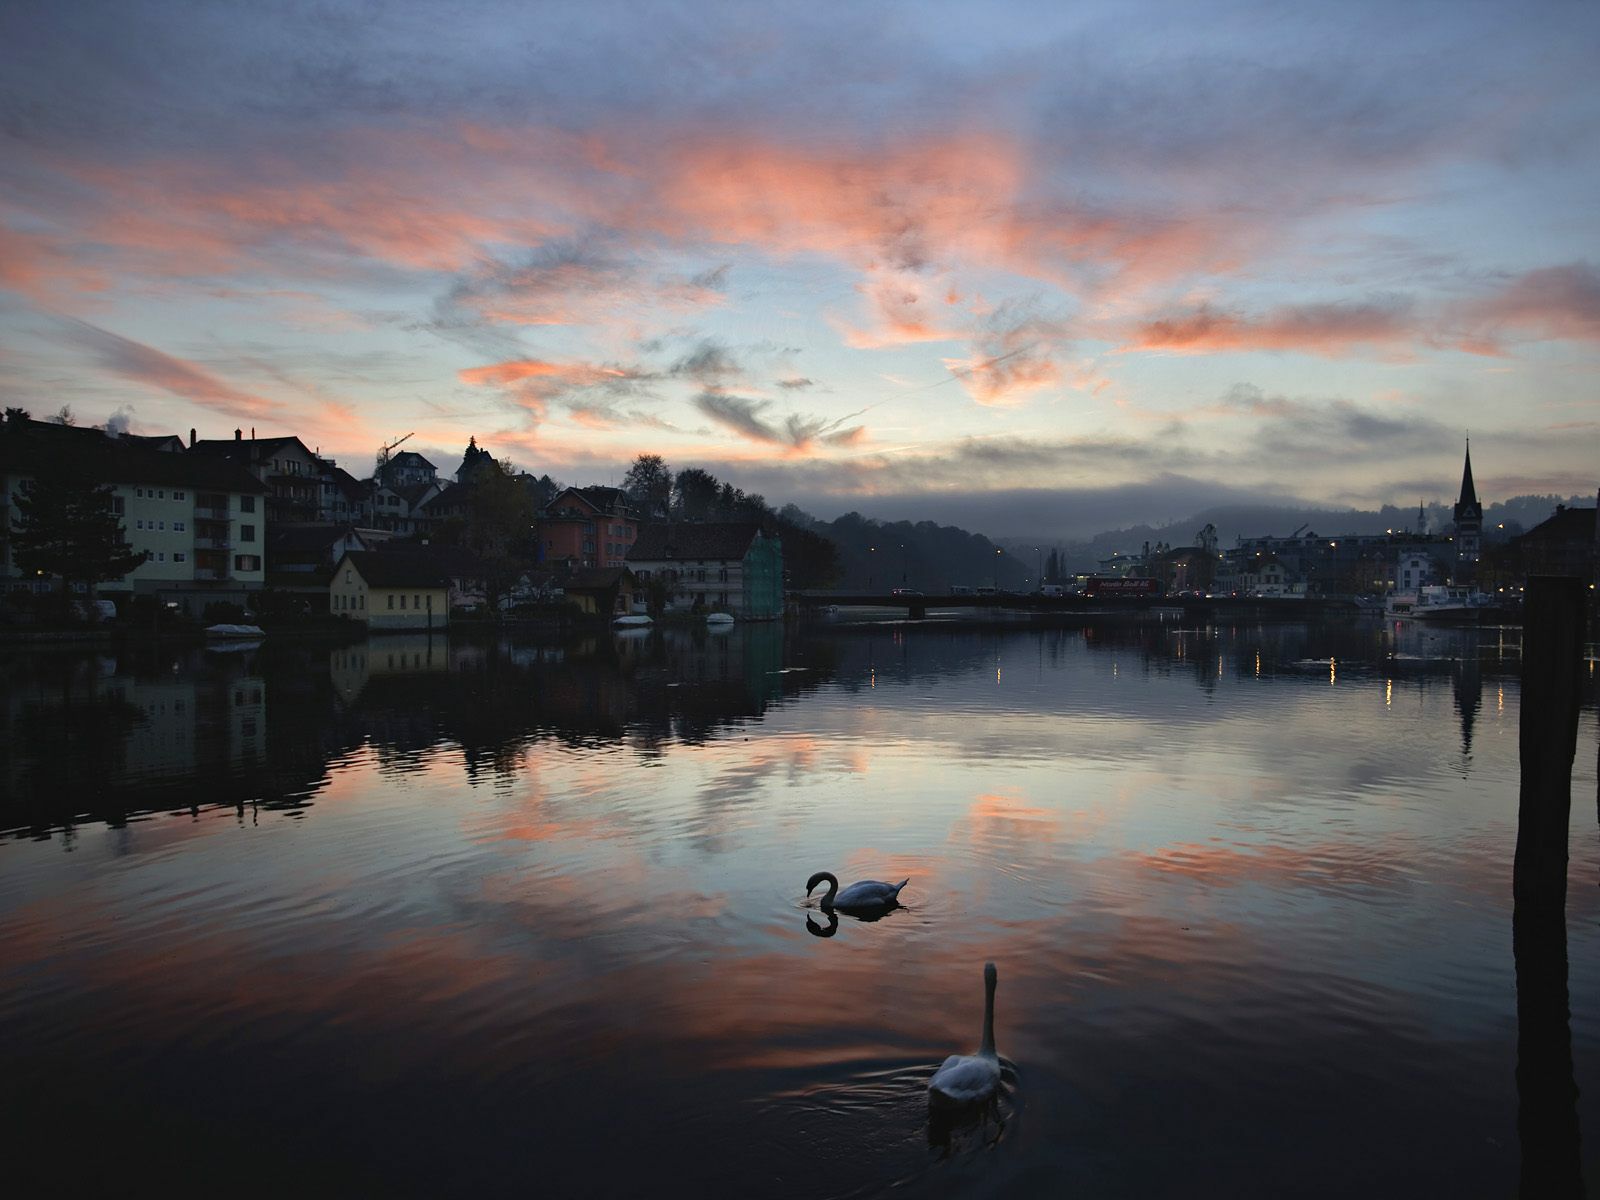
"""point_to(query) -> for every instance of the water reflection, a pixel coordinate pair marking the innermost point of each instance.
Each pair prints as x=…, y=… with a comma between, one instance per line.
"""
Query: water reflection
x=498, y=907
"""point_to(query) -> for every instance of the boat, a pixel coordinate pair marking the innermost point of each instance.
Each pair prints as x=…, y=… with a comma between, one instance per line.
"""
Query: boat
x=235, y=631
x=633, y=621
x=1445, y=604
x=719, y=618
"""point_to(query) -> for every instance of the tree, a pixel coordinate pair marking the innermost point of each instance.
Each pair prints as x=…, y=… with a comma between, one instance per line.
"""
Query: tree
x=66, y=526
x=697, y=494
x=649, y=484
x=499, y=525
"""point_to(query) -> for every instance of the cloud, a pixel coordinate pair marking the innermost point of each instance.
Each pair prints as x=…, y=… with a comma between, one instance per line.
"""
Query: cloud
x=747, y=418
x=533, y=384
x=153, y=368
x=1324, y=329
x=1549, y=303
x=1013, y=356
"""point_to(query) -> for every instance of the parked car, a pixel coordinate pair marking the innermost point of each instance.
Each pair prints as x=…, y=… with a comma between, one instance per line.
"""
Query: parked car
x=905, y=592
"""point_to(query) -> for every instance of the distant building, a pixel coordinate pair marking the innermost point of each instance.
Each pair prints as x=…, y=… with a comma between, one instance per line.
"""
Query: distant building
x=727, y=567
x=407, y=469
x=1469, y=526
x=587, y=527
x=1413, y=571
x=1567, y=543
x=389, y=591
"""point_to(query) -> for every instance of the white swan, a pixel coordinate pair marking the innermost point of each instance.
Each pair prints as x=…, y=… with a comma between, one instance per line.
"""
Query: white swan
x=867, y=896
x=971, y=1078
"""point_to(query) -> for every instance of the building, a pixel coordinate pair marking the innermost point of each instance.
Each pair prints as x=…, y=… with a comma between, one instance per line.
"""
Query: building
x=587, y=527
x=407, y=469
x=202, y=520
x=465, y=572
x=1567, y=543
x=301, y=485
x=389, y=591
x=1413, y=570
x=727, y=567
x=603, y=591
x=1469, y=526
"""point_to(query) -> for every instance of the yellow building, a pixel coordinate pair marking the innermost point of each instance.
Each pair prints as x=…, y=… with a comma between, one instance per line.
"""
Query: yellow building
x=389, y=591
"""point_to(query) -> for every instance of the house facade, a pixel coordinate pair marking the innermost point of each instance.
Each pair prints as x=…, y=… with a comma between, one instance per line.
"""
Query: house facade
x=389, y=591
x=202, y=521
x=587, y=527
x=729, y=567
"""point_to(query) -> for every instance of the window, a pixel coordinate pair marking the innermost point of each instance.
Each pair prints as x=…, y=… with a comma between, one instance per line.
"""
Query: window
x=179, y=526
x=363, y=600
x=180, y=496
x=139, y=524
x=391, y=599
x=161, y=556
x=247, y=562
x=162, y=524
x=247, y=533
x=118, y=505
x=402, y=599
x=139, y=492
x=162, y=494
x=416, y=602
x=179, y=556
x=247, y=504
x=349, y=575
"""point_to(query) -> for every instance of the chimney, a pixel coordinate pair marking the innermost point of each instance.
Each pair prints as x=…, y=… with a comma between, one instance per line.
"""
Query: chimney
x=191, y=437
x=252, y=433
x=238, y=435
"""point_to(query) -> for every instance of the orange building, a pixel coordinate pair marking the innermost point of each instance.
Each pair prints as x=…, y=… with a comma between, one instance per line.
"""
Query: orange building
x=587, y=527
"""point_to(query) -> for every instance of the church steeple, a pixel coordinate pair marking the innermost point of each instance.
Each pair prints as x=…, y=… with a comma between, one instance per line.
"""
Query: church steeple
x=1468, y=503
x=1469, y=525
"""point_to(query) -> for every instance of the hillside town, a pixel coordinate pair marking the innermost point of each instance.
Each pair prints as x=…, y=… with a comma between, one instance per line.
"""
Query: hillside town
x=270, y=526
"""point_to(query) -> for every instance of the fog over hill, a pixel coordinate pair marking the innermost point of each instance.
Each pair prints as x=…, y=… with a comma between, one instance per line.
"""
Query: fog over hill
x=1234, y=521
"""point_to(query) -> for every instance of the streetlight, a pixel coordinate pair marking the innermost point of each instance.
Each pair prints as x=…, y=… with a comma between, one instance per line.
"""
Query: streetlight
x=870, y=550
x=995, y=578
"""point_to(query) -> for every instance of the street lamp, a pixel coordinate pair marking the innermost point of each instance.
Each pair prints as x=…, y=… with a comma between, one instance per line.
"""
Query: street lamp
x=995, y=578
x=871, y=550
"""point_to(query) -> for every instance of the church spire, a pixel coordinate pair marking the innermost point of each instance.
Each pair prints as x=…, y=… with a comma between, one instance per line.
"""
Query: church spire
x=1469, y=494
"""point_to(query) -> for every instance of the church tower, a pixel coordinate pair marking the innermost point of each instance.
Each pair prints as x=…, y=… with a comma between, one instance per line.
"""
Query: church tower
x=1469, y=526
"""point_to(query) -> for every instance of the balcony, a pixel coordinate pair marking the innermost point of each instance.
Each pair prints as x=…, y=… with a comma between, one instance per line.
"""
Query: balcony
x=210, y=574
x=204, y=512
x=212, y=543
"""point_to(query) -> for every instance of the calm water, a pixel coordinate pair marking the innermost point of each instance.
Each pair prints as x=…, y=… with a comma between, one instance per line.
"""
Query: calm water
x=413, y=917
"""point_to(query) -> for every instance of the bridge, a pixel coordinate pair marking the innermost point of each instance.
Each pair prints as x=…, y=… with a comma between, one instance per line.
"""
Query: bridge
x=917, y=606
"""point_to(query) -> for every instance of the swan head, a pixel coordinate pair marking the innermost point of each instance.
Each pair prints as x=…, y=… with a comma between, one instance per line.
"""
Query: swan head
x=811, y=884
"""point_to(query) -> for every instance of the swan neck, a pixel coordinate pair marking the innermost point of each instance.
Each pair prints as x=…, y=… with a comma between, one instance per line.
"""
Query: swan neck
x=833, y=888
x=987, y=1047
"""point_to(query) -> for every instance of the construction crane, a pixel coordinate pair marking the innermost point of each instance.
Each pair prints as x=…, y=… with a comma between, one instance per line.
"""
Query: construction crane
x=383, y=455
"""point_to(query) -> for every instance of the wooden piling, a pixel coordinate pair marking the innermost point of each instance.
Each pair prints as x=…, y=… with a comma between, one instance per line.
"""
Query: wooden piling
x=1552, y=661
x=1547, y=1115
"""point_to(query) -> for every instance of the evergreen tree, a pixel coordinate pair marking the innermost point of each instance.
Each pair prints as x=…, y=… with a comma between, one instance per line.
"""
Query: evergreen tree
x=66, y=526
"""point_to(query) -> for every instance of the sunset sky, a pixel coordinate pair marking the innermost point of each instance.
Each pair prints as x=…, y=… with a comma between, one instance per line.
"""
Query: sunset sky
x=1161, y=255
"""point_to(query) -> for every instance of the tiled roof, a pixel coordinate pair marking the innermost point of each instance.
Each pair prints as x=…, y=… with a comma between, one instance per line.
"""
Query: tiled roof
x=395, y=570
x=595, y=579
x=720, y=540
x=23, y=452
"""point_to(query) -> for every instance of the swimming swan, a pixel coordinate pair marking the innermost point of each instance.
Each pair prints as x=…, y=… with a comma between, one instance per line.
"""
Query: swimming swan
x=867, y=896
x=971, y=1078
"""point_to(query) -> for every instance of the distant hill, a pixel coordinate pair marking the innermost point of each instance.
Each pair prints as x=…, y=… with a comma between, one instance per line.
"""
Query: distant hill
x=1234, y=521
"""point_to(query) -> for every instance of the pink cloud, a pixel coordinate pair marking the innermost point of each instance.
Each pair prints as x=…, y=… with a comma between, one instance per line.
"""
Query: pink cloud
x=1328, y=330
x=1551, y=303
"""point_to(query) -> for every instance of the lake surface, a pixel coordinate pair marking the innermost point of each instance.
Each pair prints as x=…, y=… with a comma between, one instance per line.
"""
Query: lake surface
x=413, y=917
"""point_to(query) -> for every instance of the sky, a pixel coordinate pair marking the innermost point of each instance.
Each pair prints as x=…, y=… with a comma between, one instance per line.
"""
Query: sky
x=916, y=260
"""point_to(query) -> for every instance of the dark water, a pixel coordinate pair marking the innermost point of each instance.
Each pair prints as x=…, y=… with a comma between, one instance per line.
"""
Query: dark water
x=423, y=918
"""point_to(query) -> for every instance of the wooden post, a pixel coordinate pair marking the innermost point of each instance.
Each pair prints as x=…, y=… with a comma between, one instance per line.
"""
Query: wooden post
x=1547, y=1115
x=1552, y=660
